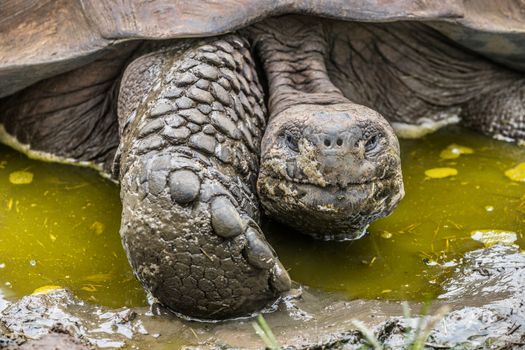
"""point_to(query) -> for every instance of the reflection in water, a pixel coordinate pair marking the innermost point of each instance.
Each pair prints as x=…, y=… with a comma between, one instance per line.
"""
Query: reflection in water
x=59, y=226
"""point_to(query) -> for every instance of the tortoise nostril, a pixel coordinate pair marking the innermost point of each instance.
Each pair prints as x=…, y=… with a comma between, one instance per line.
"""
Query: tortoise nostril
x=327, y=142
x=339, y=142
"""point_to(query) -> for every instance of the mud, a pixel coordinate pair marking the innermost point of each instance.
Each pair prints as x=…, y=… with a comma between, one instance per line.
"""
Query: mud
x=485, y=295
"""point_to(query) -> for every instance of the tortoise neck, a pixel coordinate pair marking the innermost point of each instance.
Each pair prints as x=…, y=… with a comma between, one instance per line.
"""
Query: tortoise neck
x=293, y=54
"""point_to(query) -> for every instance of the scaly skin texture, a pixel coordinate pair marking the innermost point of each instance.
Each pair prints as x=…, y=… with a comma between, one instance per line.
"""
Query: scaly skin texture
x=408, y=72
x=329, y=166
x=188, y=156
x=190, y=118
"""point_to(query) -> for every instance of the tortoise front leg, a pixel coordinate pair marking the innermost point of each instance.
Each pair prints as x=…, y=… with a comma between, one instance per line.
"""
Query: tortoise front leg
x=192, y=116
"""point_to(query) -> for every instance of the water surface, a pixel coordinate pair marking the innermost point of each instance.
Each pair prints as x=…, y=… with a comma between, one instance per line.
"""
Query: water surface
x=59, y=226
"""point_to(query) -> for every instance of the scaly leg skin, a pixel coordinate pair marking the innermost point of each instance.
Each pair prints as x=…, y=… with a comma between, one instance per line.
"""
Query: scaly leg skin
x=188, y=164
x=412, y=75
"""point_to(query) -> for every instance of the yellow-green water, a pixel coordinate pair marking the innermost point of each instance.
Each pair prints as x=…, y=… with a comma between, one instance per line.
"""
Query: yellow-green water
x=61, y=228
x=408, y=254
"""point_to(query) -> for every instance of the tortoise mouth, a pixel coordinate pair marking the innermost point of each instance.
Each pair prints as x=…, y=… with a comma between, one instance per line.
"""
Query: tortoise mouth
x=330, y=212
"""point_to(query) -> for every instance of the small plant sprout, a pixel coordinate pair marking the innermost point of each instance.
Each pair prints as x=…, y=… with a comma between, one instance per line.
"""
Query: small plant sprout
x=368, y=334
x=263, y=330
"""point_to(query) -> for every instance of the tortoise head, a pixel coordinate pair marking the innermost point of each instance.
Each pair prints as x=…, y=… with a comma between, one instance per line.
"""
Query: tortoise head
x=329, y=171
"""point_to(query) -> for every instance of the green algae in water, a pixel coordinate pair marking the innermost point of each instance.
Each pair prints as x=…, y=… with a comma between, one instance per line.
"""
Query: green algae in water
x=59, y=227
x=407, y=255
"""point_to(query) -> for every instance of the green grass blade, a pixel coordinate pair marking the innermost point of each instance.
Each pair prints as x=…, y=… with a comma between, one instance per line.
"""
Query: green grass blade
x=264, y=331
x=368, y=334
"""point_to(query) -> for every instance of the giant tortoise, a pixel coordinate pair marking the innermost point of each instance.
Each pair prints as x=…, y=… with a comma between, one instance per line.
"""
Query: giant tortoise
x=172, y=99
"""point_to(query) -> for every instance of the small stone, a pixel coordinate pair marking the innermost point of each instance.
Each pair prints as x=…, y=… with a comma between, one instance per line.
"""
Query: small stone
x=207, y=72
x=161, y=109
x=203, y=142
x=194, y=116
x=222, y=122
x=184, y=102
x=225, y=219
x=184, y=186
x=209, y=130
x=257, y=251
x=221, y=94
x=200, y=95
x=178, y=135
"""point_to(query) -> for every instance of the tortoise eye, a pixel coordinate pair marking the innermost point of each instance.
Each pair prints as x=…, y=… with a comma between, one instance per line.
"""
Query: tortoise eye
x=291, y=141
x=371, y=143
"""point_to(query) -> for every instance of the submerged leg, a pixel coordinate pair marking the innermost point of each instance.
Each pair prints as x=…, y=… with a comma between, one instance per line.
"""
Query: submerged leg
x=191, y=118
x=414, y=75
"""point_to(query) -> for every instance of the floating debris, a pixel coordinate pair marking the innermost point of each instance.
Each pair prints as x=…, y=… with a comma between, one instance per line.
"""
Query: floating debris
x=453, y=151
x=21, y=177
x=45, y=289
x=440, y=173
x=517, y=173
x=98, y=227
x=491, y=237
x=386, y=235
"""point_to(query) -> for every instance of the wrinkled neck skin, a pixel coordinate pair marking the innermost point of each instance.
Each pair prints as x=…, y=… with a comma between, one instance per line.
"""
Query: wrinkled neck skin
x=293, y=56
x=328, y=166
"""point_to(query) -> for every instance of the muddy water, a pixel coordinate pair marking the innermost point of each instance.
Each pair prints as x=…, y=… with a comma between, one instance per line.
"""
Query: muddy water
x=59, y=227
